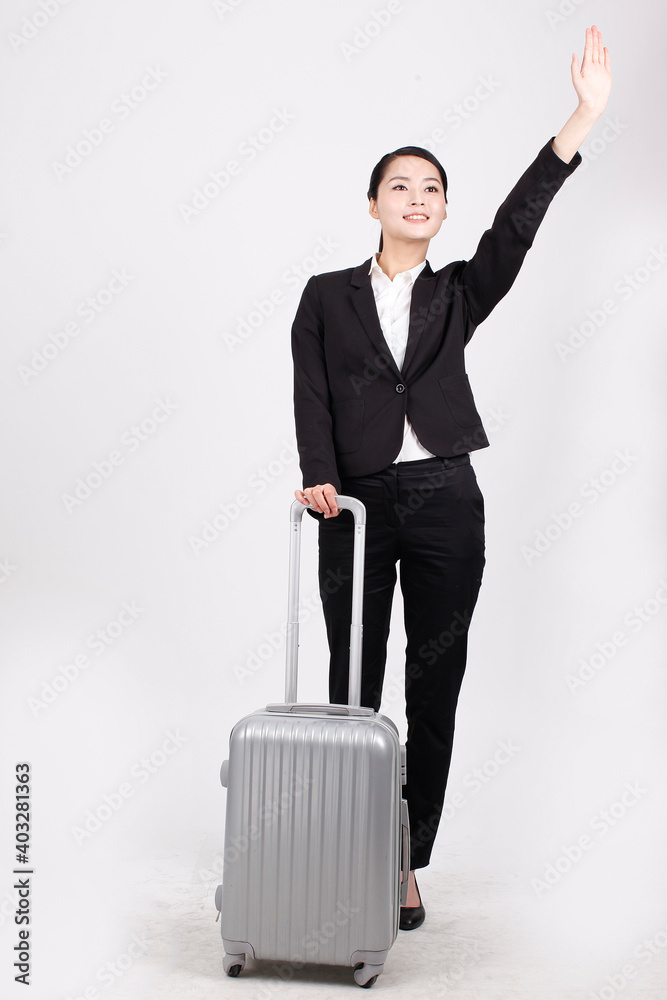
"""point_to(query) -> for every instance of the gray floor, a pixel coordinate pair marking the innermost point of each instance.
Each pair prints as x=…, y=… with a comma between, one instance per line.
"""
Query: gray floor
x=485, y=938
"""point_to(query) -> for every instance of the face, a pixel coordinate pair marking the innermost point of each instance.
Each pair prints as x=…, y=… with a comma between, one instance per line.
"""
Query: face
x=411, y=202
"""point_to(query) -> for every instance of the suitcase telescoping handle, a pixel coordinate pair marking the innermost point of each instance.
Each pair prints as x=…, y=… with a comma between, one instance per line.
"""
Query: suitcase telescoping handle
x=296, y=516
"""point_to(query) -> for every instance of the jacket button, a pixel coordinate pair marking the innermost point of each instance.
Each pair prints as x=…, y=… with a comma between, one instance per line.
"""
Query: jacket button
x=400, y=387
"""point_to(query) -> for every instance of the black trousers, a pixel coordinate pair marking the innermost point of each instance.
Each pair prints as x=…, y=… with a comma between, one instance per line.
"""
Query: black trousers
x=428, y=515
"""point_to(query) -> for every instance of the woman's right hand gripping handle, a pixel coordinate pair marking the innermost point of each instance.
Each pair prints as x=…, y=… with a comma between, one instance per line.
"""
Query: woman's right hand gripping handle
x=320, y=498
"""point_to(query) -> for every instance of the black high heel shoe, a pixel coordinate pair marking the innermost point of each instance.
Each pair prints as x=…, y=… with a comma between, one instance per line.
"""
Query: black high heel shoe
x=412, y=916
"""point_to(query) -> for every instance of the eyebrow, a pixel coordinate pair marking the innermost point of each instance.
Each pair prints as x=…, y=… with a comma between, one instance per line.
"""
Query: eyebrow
x=407, y=179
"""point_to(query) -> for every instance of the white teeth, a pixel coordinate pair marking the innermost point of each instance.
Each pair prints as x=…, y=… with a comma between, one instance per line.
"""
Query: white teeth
x=416, y=217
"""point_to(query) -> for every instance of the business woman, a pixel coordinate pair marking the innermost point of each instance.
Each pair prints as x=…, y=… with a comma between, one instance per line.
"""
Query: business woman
x=384, y=412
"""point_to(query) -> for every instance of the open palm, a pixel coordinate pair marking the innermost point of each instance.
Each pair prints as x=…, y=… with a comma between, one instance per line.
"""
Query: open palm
x=593, y=82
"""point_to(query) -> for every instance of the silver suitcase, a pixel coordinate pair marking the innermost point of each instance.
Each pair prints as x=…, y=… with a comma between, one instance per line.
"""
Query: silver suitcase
x=316, y=831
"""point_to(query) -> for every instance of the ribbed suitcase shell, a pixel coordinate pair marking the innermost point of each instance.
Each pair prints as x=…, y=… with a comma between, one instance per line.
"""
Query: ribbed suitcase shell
x=316, y=830
x=312, y=838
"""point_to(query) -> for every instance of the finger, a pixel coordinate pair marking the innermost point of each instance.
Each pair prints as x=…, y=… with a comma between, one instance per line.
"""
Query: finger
x=321, y=493
x=308, y=493
x=607, y=59
x=588, y=47
x=596, y=44
x=330, y=494
x=332, y=507
x=317, y=499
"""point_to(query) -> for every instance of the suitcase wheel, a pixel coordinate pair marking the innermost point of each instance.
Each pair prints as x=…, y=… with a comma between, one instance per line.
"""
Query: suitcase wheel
x=365, y=975
x=233, y=964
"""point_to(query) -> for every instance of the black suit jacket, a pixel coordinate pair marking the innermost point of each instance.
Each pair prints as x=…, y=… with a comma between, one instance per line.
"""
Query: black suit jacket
x=350, y=399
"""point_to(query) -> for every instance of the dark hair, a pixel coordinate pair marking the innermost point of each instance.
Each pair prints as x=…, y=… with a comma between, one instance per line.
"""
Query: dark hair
x=380, y=168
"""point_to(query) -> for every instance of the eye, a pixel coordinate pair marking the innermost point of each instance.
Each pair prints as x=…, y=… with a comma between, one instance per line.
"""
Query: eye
x=432, y=187
x=397, y=186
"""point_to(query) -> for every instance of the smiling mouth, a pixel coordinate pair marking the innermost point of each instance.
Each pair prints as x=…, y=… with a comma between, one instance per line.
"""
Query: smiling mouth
x=416, y=217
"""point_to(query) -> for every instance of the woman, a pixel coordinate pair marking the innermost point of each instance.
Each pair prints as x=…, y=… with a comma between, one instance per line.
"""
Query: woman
x=384, y=412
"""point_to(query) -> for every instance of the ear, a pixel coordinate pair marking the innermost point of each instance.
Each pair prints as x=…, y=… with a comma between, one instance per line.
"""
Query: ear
x=372, y=208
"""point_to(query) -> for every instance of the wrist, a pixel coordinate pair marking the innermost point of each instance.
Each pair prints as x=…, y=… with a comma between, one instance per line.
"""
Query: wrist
x=589, y=112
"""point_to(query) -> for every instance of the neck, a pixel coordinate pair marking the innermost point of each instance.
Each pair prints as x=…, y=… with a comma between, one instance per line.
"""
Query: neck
x=397, y=257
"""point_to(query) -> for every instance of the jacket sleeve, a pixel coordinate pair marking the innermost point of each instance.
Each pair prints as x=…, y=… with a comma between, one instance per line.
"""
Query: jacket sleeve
x=312, y=400
x=490, y=273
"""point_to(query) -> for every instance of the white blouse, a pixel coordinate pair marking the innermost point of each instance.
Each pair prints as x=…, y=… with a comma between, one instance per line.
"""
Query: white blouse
x=393, y=300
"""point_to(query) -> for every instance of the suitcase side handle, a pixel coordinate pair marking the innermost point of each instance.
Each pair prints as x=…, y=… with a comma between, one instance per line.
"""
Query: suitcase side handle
x=296, y=516
x=405, y=852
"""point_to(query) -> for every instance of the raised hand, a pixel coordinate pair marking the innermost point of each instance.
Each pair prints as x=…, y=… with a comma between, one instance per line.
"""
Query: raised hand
x=593, y=81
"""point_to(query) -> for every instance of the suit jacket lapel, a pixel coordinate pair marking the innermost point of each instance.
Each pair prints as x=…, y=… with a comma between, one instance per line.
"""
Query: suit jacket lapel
x=422, y=293
x=363, y=300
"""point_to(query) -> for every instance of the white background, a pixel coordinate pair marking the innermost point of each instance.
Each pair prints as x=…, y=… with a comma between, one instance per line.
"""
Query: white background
x=197, y=653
